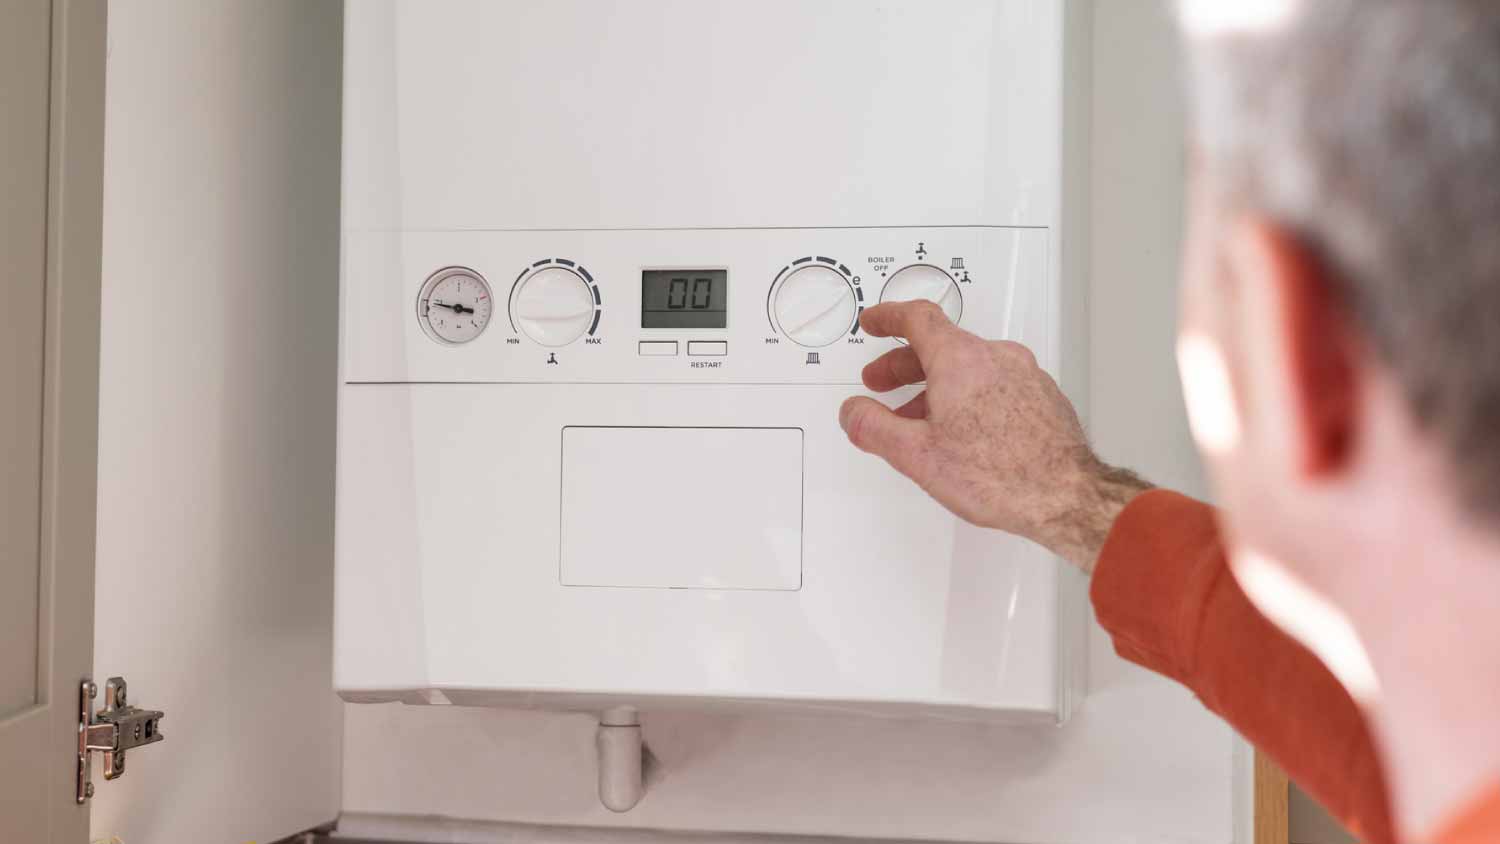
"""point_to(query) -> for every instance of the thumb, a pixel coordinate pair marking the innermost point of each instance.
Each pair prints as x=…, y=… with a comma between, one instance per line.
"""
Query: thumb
x=875, y=428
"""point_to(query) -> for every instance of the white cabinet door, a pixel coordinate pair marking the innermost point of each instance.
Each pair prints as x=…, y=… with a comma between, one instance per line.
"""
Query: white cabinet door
x=190, y=429
x=216, y=415
x=51, y=157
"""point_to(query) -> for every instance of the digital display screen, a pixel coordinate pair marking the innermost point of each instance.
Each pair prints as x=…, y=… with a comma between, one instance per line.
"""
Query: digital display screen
x=684, y=298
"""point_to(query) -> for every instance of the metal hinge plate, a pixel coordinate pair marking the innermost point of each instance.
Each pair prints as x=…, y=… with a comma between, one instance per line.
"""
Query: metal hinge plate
x=116, y=728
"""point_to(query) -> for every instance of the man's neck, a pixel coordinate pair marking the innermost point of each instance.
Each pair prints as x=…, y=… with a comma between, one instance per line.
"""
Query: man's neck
x=1432, y=633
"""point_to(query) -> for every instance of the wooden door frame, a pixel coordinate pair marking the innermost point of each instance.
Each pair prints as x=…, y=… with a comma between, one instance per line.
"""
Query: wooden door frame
x=1272, y=802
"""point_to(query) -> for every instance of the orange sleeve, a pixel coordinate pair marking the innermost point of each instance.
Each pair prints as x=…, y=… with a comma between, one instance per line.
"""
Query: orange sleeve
x=1480, y=825
x=1163, y=590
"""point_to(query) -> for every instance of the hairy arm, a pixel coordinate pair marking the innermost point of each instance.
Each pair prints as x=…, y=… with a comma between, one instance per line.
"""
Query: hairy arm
x=992, y=437
x=995, y=441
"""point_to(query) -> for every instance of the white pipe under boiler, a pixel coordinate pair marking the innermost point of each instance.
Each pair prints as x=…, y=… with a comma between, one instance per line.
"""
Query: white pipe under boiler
x=621, y=759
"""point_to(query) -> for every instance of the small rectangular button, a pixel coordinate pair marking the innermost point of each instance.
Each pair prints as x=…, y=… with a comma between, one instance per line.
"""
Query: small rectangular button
x=659, y=348
x=708, y=348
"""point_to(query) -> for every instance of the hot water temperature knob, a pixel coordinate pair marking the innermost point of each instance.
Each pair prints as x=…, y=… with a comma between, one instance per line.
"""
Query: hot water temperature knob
x=924, y=281
x=814, y=305
x=554, y=303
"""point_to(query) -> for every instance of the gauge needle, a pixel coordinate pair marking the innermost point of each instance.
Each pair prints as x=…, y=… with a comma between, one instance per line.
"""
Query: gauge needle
x=457, y=309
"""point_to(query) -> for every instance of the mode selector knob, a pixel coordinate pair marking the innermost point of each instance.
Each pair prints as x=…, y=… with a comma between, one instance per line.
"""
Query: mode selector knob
x=815, y=306
x=924, y=281
x=554, y=306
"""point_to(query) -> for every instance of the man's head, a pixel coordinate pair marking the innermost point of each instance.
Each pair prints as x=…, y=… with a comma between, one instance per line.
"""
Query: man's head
x=1341, y=337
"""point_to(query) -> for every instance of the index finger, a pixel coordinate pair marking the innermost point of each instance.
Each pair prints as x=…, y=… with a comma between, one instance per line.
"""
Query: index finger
x=920, y=322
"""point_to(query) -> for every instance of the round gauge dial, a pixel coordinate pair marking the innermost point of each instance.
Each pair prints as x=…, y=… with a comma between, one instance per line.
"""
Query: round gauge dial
x=553, y=306
x=455, y=305
x=924, y=281
x=815, y=306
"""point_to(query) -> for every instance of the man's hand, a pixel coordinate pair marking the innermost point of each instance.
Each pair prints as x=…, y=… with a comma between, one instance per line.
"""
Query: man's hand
x=992, y=438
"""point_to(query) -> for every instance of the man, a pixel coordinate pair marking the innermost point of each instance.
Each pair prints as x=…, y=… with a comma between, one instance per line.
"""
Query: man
x=1340, y=353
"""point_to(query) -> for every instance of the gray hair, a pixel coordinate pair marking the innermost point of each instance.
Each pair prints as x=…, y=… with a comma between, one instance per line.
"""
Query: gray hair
x=1371, y=128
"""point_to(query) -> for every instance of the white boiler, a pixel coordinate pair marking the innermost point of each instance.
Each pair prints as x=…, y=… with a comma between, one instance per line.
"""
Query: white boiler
x=603, y=264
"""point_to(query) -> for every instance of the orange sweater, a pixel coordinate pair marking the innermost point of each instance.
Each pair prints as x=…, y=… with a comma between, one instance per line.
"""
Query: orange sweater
x=1163, y=590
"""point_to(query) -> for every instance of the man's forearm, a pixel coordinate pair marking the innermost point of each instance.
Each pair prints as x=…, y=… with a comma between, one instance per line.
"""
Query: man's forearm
x=1095, y=500
x=1164, y=593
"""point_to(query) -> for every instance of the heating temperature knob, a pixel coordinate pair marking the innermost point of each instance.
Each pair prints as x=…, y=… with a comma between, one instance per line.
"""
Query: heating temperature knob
x=924, y=281
x=554, y=306
x=815, y=306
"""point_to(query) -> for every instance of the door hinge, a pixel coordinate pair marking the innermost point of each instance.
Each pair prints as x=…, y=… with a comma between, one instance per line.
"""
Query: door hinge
x=116, y=728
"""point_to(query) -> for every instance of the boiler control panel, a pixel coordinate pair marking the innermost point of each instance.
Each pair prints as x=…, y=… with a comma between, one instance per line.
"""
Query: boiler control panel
x=761, y=306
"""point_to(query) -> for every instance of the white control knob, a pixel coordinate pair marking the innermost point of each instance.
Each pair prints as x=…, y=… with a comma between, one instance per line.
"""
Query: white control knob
x=924, y=281
x=815, y=306
x=554, y=306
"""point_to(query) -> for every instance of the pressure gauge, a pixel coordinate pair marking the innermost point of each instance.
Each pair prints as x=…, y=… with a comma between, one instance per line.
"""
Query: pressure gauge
x=454, y=306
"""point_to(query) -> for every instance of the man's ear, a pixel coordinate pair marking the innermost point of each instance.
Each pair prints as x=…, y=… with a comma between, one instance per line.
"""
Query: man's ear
x=1304, y=344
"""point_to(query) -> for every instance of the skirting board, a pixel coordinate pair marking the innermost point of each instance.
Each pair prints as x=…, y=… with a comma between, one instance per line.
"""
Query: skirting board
x=360, y=828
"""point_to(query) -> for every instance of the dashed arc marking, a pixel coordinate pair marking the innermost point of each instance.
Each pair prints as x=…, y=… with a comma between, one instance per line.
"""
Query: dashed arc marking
x=511, y=299
x=770, y=319
x=573, y=265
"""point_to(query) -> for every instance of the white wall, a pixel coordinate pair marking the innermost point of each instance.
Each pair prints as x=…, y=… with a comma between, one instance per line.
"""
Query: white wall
x=219, y=335
x=1142, y=762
